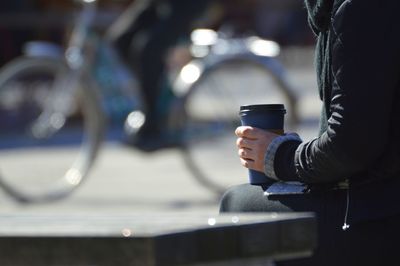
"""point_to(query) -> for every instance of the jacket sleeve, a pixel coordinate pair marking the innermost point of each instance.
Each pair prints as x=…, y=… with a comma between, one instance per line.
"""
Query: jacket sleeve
x=365, y=69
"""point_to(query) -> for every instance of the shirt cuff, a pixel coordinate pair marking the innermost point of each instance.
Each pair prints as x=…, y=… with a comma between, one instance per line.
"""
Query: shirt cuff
x=269, y=158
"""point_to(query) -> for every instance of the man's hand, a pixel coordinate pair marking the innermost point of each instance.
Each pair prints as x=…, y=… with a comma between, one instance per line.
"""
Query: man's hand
x=252, y=144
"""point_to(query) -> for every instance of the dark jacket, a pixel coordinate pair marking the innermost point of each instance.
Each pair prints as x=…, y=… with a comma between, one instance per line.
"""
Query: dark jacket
x=358, y=69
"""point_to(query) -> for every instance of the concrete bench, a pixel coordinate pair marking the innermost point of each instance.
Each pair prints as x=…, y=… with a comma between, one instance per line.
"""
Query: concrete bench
x=154, y=239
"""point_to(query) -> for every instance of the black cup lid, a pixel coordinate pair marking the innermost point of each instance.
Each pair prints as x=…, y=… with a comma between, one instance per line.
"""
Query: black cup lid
x=263, y=107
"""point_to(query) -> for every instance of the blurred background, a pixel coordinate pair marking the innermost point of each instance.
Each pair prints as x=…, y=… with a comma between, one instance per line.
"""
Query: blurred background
x=125, y=180
x=284, y=21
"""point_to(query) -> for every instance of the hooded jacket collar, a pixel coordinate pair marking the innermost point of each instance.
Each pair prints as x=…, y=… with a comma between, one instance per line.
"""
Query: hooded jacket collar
x=319, y=14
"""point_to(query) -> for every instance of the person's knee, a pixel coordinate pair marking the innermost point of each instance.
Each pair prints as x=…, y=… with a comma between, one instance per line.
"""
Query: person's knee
x=226, y=200
x=240, y=198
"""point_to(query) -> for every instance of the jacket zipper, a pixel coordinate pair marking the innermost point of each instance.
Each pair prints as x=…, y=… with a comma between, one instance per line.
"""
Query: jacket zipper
x=345, y=224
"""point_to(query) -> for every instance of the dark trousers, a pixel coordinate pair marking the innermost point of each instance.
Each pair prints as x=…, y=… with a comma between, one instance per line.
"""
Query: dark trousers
x=373, y=242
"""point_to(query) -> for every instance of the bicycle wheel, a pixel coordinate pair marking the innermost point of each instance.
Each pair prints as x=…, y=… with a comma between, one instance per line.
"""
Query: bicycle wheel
x=50, y=133
x=212, y=105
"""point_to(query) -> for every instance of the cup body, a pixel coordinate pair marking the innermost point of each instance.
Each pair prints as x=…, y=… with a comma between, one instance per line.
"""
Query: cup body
x=264, y=116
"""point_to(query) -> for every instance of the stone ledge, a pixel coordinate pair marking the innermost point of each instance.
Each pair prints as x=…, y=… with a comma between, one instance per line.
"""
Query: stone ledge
x=153, y=240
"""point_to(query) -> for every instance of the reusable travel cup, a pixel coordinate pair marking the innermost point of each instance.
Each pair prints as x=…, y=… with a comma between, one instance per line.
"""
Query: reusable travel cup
x=264, y=116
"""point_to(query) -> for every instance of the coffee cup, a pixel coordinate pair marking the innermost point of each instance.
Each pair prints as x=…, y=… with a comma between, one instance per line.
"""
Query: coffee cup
x=264, y=116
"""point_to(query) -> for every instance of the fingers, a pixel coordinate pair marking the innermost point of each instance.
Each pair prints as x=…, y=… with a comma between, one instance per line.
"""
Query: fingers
x=246, y=132
x=247, y=163
x=243, y=143
x=251, y=132
x=245, y=153
x=247, y=158
x=252, y=143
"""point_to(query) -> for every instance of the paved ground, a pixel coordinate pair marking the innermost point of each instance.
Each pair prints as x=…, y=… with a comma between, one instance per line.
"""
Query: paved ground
x=127, y=181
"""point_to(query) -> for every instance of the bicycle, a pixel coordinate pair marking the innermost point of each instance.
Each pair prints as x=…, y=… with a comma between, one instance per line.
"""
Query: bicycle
x=48, y=100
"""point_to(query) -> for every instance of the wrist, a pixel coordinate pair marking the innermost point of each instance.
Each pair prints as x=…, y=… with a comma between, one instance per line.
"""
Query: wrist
x=269, y=158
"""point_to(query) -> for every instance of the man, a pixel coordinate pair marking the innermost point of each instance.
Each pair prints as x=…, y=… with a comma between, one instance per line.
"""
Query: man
x=352, y=170
x=143, y=36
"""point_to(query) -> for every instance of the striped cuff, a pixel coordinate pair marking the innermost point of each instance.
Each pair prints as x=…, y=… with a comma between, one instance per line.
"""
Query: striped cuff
x=269, y=158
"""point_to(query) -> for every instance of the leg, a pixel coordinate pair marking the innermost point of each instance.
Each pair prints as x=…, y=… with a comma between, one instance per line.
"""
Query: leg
x=139, y=16
x=163, y=35
x=368, y=243
x=249, y=198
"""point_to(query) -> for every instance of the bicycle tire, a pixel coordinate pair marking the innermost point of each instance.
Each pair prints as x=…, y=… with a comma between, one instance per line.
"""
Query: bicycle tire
x=26, y=154
x=212, y=105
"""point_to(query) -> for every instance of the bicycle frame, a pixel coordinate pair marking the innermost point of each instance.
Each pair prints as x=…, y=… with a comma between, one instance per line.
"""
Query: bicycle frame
x=75, y=71
x=74, y=54
x=60, y=107
x=84, y=55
